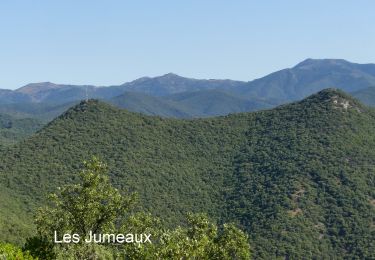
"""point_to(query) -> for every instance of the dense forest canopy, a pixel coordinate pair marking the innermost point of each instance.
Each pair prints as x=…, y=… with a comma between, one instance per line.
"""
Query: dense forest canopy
x=299, y=178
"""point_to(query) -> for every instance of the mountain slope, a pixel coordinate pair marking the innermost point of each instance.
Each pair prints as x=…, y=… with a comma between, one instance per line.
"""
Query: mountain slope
x=8, y=96
x=367, y=95
x=299, y=178
x=42, y=111
x=203, y=103
x=307, y=173
x=207, y=103
x=148, y=105
x=144, y=153
x=47, y=92
x=157, y=86
x=308, y=77
x=171, y=84
x=13, y=129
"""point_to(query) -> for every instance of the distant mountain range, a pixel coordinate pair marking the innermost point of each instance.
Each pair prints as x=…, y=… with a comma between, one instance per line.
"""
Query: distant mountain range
x=158, y=86
x=171, y=95
x=308, y=77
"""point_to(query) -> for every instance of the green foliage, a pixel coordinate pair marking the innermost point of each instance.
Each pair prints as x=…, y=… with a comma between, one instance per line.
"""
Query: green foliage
x=12, y=252
x=303, y=185
x=299, y=179
x=93, y=205
x=14, y=219
x=40, y=247
x=199, y=240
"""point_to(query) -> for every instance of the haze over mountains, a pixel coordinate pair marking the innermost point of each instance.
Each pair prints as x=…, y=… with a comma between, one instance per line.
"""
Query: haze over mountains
x=171, y=95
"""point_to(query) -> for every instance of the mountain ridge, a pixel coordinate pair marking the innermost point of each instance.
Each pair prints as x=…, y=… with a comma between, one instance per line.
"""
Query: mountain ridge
x=311, y=76
x=208, y=97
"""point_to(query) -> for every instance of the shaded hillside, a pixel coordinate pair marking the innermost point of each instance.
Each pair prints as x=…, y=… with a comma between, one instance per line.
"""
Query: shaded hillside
x=207, y=103
x=299, y=178
x=367, y=95
x=149, y=105
x=8, y=96
x=204, y=103
x=13, y=130
x=42, y=111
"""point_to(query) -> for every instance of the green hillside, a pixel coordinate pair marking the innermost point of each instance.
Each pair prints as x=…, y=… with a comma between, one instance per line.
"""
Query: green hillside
x=299, y=178
x=13, y=129
x=15, y=217
x=149, y=105
x=307, y=173
x=41, y=111
x=207, y=103
x=192, y=104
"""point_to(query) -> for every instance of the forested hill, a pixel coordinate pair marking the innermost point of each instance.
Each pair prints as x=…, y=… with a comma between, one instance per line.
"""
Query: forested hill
x=13, y=129
x=299, y=178
x=307, y=173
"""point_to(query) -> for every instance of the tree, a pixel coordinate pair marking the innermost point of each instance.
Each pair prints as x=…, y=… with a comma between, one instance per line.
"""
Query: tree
x=94, y=205
x=200, y=239
x=12, y=252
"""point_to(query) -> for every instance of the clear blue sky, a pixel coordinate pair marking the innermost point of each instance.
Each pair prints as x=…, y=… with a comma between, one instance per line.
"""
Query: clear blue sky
x=111, y=42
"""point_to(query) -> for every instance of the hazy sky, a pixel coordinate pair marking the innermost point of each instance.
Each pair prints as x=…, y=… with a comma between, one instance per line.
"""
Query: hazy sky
x=111, y=42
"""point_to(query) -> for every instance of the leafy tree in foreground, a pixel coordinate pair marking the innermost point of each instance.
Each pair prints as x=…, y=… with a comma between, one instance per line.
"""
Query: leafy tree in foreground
x=95, y=206
x=200, y=240
x=11, y=252
x=92, y=205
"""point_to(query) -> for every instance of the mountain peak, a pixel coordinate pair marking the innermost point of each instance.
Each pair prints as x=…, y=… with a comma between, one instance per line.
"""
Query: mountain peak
x=170, y=75
x=36, y=87
x=336, y=98
x=310, y=63
x=85, y=105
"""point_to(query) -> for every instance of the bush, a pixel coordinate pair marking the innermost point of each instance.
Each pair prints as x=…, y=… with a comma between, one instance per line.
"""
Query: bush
x=12, y=252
